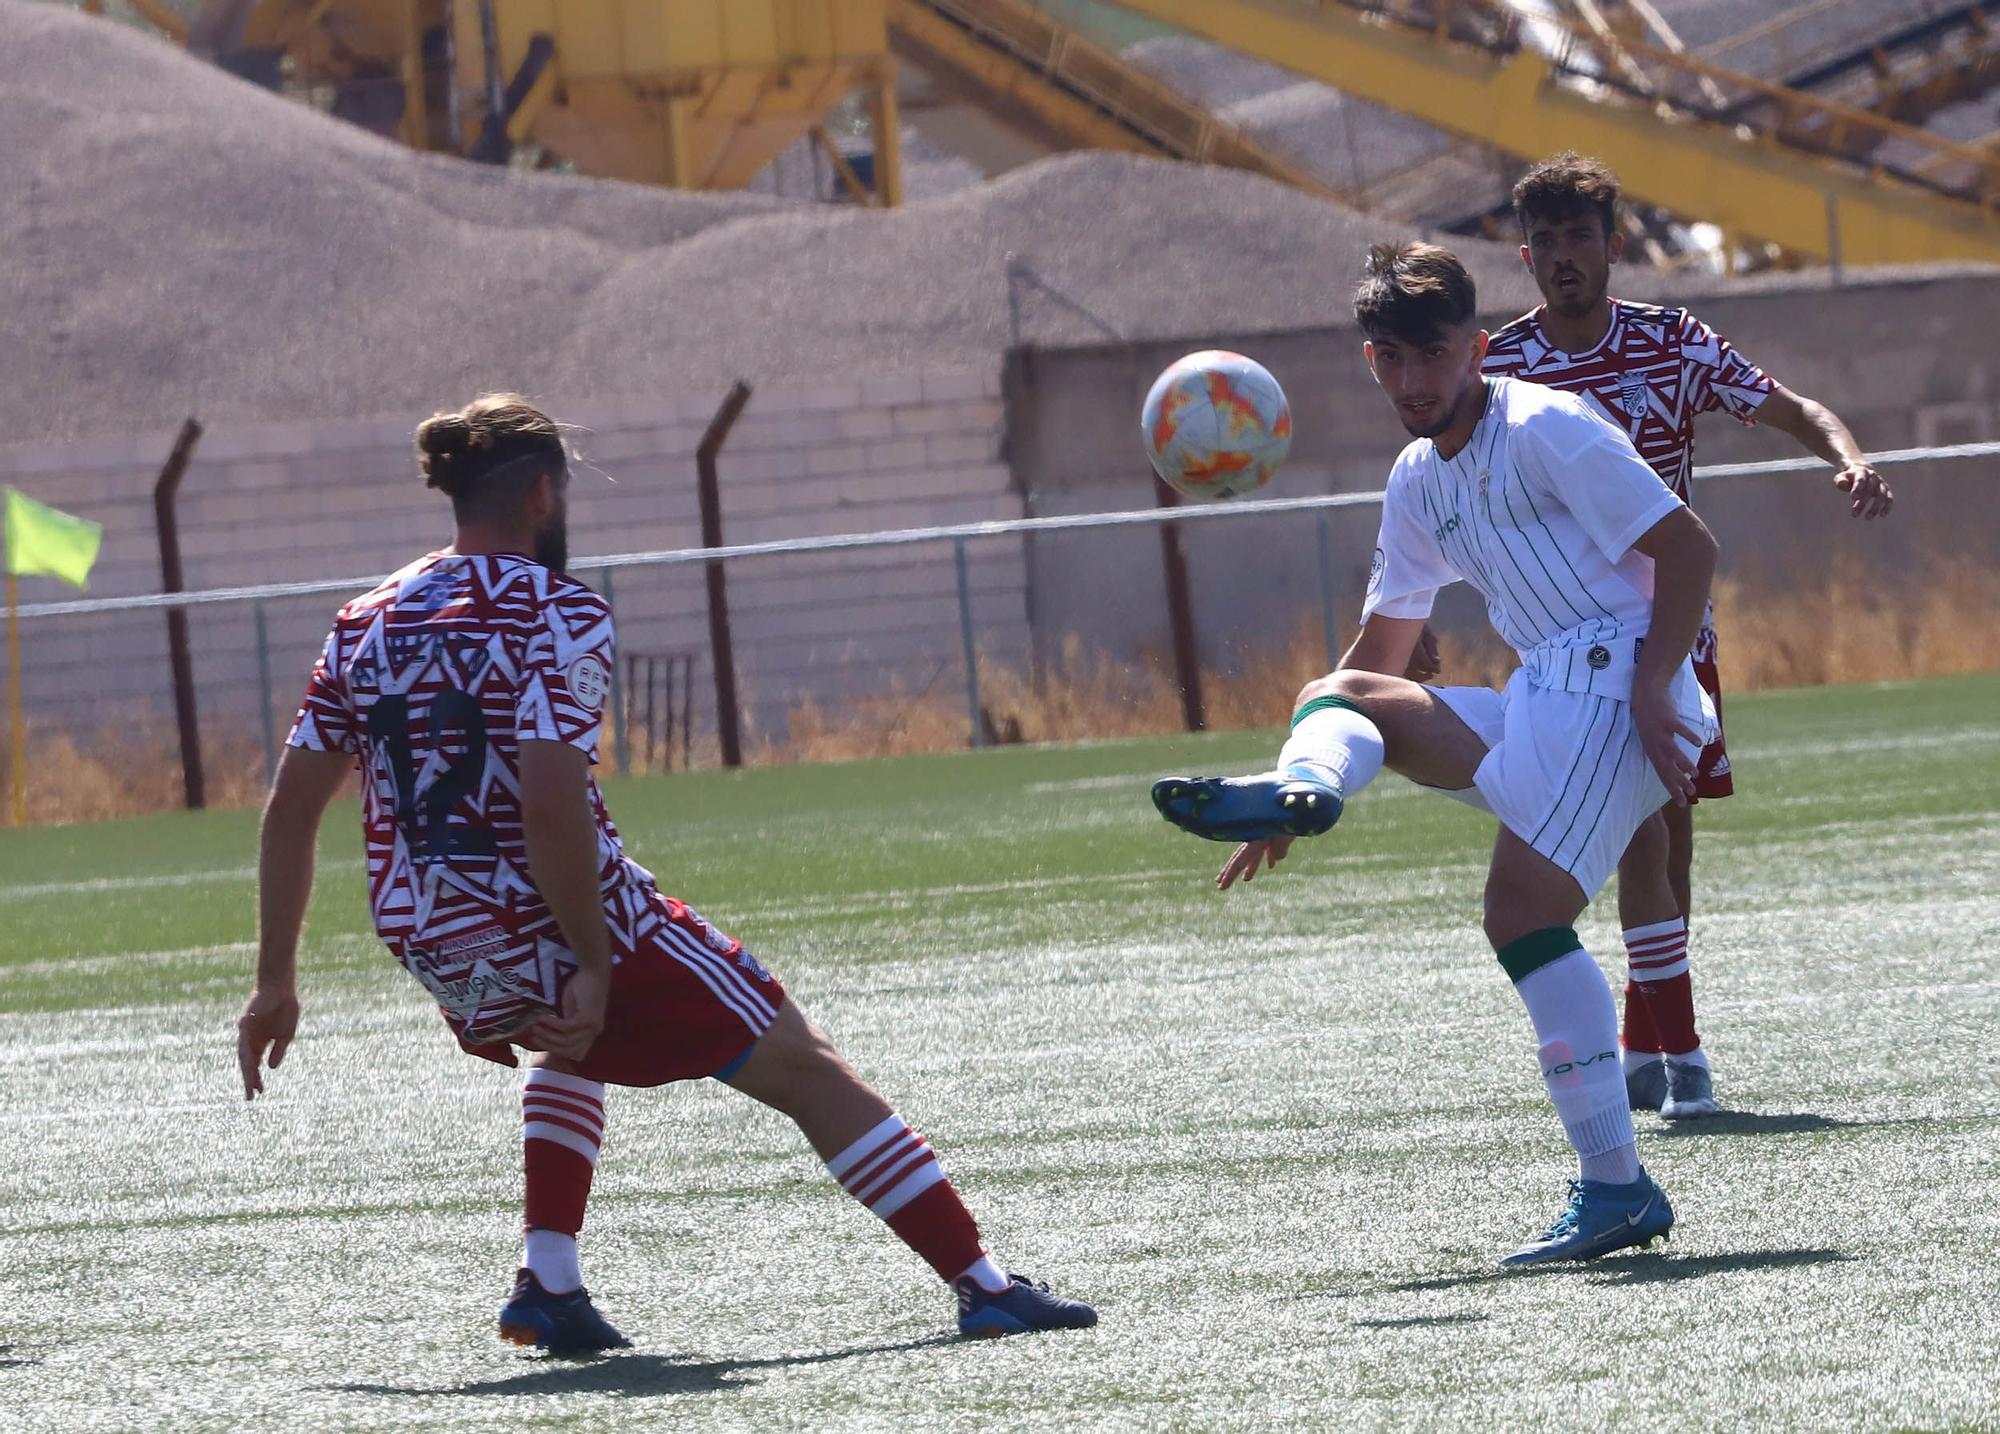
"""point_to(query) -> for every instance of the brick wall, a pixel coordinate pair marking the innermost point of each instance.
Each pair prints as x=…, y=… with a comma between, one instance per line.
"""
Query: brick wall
x=285, y=502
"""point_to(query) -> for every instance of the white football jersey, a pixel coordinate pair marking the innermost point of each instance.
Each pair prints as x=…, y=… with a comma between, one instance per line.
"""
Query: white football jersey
x=1539, y=512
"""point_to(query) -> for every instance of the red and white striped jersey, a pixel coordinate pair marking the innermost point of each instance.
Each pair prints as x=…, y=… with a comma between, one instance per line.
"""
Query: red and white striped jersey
x=1653, y=371
x=433, y=680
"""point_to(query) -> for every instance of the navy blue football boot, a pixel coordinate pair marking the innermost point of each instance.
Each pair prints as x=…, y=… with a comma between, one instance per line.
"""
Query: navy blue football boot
x=1235, y=809
x=561, y=1324
x=1024, y=1307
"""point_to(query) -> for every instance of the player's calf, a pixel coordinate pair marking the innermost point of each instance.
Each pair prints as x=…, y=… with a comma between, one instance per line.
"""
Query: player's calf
x=892, y=1170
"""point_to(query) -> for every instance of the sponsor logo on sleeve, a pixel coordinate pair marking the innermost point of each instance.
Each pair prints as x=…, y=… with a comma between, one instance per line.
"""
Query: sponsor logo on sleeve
x=1375, y=565
x=589, y=681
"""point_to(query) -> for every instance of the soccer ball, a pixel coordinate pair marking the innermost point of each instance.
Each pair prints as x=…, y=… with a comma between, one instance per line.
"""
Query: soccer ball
x=1216, y=425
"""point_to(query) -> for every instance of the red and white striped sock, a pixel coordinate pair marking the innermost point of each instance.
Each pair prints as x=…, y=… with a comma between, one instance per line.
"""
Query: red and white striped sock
x=1659, y=994
x=562, y=1127
x=895, y=1173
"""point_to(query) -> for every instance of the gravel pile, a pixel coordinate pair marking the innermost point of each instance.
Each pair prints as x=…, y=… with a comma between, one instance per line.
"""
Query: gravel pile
x=177, y=241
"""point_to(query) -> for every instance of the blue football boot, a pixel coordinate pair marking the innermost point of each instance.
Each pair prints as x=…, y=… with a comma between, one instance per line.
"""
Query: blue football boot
x=1601, y=1217
x=1235, y=809
x=1024, y=1307
x=561, y=1324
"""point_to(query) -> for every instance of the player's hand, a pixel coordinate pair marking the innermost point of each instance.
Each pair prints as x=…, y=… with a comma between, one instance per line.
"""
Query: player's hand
x=1661, y=732
x=270, y=1019
x=1425, y=663
x=1245, y=860
x=1869, y=490
x=575, y=1031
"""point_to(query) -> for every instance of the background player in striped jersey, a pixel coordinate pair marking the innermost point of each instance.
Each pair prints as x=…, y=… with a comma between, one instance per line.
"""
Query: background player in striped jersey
x=471, y=686
x=1653, y=371
x=1597, y=575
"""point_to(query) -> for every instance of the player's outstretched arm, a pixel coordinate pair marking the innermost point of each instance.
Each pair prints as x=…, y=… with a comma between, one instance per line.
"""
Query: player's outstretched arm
x=560, y=827
x=1820, y=432
x=1683, y=553
x=306, y=782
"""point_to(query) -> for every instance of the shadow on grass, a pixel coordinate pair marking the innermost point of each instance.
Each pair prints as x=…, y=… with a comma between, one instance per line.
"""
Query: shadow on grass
x=1750, y=1122
x=635, y=1375
x=1636, y=1269
x=8, y=1362
x=1418, y=1321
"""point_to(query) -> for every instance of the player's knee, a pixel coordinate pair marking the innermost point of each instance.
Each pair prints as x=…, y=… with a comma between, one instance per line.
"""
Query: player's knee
x=1349, y=684
x=790, y=1061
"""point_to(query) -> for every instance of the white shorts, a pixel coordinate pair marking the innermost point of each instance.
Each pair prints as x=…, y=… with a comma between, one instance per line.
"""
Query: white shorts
x=1564, y=771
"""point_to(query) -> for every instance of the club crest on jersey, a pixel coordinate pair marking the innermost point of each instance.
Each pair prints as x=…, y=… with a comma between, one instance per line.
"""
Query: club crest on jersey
x=1633, y=394
x=589, y=681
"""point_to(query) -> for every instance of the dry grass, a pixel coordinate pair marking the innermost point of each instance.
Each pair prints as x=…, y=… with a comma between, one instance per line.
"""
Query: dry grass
x=114, y=773
x=1847, y=627
x=1839, y=628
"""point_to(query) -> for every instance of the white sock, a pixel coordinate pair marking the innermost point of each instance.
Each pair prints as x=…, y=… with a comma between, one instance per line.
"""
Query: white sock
x=1576, y=1023
x=1631, y=1061
x=1334, y=743
x=551, y=1258
x=991, y=1277
x=1695, y=1057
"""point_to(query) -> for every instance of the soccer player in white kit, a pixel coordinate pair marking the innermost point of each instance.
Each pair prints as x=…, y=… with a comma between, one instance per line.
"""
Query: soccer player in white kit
x=1598, y=577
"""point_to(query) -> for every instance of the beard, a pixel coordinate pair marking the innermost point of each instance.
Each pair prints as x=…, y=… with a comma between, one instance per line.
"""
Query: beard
x=552, y=547
x=1579, y=301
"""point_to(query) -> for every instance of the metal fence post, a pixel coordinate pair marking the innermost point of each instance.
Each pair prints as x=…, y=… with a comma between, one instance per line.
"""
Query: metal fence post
x=1326, y=592
x=965, y=636
x=264, y=693
x=165, y=491
x=1180, y=615
x=728, y=718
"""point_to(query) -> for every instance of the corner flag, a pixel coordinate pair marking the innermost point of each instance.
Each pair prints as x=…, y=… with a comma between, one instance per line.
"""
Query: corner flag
x=43, y=541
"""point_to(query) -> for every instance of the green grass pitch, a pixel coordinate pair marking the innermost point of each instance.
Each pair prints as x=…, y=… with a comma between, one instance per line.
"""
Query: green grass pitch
x=1278, y=1136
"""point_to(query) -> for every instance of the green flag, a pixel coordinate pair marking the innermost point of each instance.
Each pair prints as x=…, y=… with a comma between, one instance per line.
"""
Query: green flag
x=41, y=540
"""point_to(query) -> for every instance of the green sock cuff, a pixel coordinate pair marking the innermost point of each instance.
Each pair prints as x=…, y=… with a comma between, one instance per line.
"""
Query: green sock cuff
x=1526, y=955
x=1321, y=704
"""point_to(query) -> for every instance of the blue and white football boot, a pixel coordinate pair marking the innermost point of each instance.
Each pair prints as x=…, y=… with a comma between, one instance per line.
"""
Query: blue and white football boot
x=567, y=1324
x=1024, y=1307
x=1236, y=809
x=1601, y=1217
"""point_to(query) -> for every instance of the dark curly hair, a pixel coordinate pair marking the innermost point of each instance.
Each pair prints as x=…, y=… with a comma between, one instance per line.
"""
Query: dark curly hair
x=1564, y=186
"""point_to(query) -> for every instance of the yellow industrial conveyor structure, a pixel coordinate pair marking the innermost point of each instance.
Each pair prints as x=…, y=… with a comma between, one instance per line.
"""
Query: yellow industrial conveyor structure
x=1768, y=162
x=697, y=94
x=702, y=94
x=705, y=93
x=1054, y=89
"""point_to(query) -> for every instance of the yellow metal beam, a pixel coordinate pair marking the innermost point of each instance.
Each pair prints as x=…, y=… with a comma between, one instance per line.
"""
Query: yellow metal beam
x=1750, y=185
x=1079, y=93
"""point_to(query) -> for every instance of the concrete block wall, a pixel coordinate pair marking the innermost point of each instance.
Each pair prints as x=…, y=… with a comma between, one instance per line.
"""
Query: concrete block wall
x=286, y=502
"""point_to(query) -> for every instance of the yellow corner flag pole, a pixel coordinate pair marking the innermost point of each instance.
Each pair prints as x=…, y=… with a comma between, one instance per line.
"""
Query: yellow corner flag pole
x=17, y=766
x=39, y=540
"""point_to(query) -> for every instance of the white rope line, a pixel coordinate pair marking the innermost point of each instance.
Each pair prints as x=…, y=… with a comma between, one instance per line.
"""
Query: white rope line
x=904, y=537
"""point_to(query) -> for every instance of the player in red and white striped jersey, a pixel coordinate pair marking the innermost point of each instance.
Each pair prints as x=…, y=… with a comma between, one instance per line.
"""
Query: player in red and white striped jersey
x=1653, y=371
x=470, y=688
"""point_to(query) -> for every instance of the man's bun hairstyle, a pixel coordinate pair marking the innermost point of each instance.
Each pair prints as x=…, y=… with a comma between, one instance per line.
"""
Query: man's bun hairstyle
x=489, y=451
